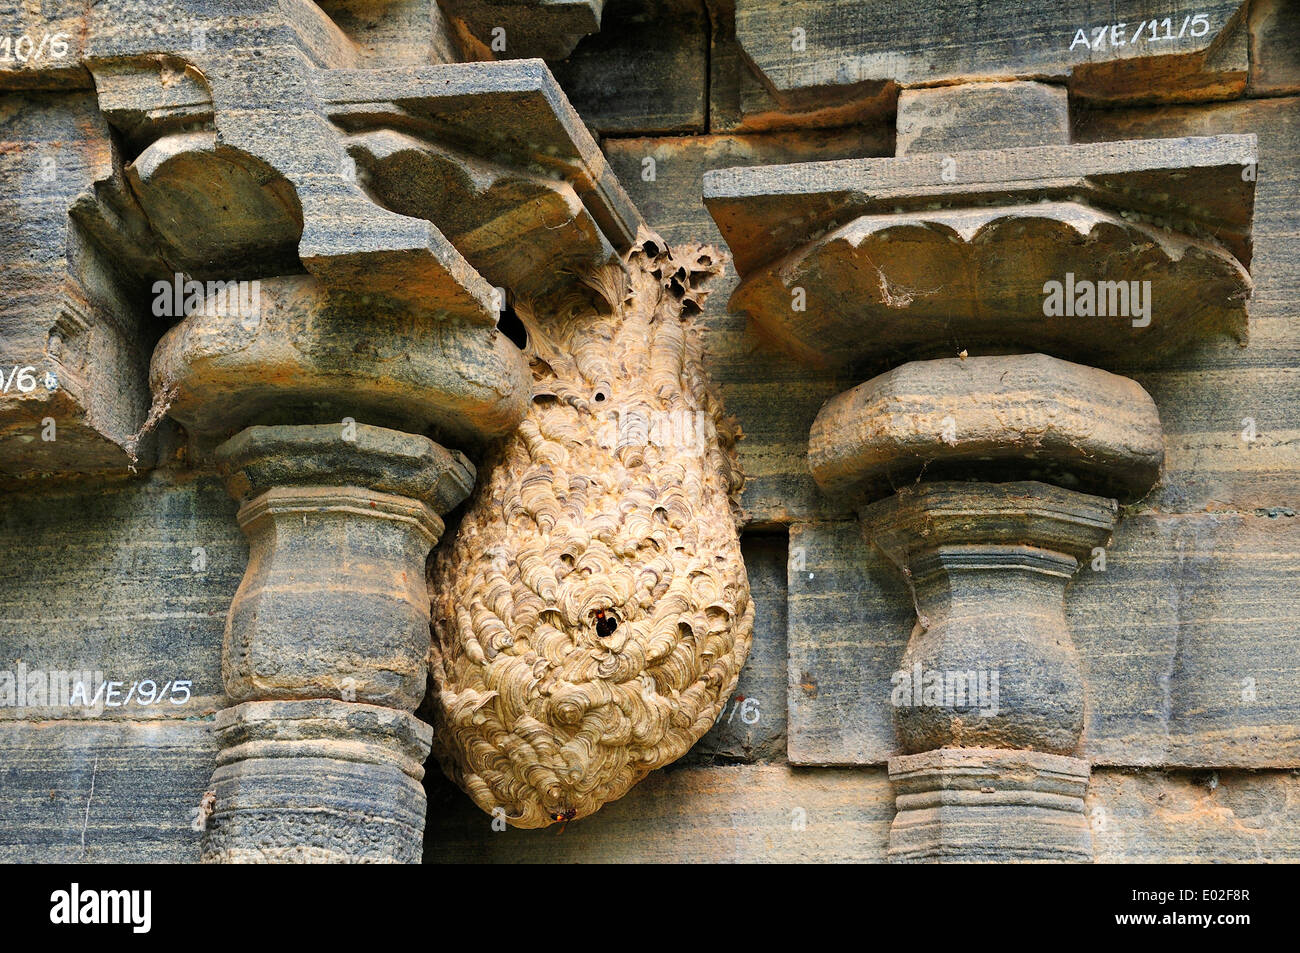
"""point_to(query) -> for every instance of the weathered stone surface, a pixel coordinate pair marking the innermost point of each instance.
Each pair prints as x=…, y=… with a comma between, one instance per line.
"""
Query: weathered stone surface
x=317, y=781
x=1165, y=686
x=1203, y=394
x=524, y=28
x=388, y=461
x=1025, y=414
x=848, y=620
x=740, y=100
x=126, y=27
x=251, y=220
x=838, y=50
x=51, y=56
x=395, y=32
x=308, y=356
x=723, y=814
x=108, y=791
x=260, y=69
x=1195, y=817
x=252, y=184
x=333, y=605
x=150, y=777
x=1184, y=643
x=982, y=116
x=987, y=805
x=848, y=262
x=752, y=725
x=988, y=565
x=1185, y=646
x=73, y=347
x=145, y=101
x=130, y=579
x=1274, y=57
x=1212, y=396
x=646, y=71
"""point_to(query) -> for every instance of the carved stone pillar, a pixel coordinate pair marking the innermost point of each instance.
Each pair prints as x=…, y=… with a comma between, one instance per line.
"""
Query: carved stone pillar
x=325, y=651
x=989, y=695
x=324, y=656
x=988, y=564
x=336, y=374
x=1015, y=240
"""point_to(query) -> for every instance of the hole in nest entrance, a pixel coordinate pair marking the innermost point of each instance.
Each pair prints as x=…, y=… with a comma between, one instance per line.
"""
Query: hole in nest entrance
x=606, y=623
x=510, y=325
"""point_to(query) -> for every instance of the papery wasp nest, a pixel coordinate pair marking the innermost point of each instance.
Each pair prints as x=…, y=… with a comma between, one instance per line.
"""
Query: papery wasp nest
x=592, y=615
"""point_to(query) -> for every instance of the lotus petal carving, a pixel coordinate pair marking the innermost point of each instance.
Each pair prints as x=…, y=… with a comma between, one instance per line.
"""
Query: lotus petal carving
x=914, y=284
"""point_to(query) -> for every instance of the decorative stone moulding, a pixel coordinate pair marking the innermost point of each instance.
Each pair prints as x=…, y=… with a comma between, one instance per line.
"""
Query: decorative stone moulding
x=308, y=355
x=996, y=263
x=593, y=614
x=970, y=805
x=317, y=781
x=1001, y=417
x=1147, y=241
x=324, y=657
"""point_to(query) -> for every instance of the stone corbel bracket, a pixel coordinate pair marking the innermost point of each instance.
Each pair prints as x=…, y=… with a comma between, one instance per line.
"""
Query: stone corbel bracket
x=425, y=181
x=278, y=100
x=944, y=252
x=496, y=158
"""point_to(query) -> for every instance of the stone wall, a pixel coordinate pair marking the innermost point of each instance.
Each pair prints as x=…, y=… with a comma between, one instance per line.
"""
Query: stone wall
x=1192, y=702
x=1185, y=638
